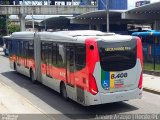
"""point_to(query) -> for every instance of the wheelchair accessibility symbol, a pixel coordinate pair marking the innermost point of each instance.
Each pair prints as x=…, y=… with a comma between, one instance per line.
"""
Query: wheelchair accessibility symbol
x=105, y=85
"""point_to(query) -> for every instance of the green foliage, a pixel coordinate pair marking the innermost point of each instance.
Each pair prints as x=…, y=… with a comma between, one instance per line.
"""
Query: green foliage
x=150, y=66
x=12, y=27
x=4, y=2
x=6, y=26
x=3, y=25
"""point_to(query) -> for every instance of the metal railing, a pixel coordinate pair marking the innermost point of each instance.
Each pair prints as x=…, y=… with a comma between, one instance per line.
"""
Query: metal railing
x=151, y=54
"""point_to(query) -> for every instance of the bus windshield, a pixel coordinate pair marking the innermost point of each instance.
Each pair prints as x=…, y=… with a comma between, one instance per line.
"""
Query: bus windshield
x=117, y=56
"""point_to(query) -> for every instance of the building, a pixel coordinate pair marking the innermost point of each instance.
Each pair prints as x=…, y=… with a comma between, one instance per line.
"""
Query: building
x=113, y=4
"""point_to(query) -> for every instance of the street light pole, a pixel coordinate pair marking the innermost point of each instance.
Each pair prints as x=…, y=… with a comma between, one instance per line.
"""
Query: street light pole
x=45, y=27
x=32, y=20
x=107, y=14
x=72, y=2
x=48, y=3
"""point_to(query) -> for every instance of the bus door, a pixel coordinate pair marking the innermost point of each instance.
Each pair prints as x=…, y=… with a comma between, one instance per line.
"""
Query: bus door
x=49, y=60
x=70, y=65
x=26, y=47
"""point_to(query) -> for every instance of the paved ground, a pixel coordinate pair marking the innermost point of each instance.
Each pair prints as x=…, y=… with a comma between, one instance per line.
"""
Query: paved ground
x=151, y=83
x=19, y=91
x=12, y=102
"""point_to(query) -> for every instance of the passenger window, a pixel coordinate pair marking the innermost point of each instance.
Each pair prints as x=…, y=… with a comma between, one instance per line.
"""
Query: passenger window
x=25, y=44
x=54, y=51
x=31, y=50
x=61, y=56
x=80, y=57
x=21, y=48
x=43, y=49
x=49, y=54
x=72, y=59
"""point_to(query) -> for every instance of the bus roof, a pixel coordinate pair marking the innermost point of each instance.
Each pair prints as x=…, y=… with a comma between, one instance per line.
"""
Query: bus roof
x=6, y=36
x=73, y=36
x=147, y=33
x=82, y=35
x=24, y=35
x=85, y=33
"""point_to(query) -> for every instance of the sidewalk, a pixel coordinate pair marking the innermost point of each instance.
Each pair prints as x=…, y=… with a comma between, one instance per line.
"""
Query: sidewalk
x=12, y=102
x=151, y=83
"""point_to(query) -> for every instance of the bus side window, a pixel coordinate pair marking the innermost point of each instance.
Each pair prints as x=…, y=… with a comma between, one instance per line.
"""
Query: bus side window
x=54, y=54
x=80, y=57
x=49, y=52
x=25, y=52
x=14, y=47
x=61, y=55
x=18, y=48
x=10, y=47
x=72, y=58
x=43, y=49
x=21, y=49
x=31, y=50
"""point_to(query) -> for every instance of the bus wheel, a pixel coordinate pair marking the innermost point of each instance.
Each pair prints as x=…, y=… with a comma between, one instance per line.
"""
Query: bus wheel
x=32, y=76
x=63, y=91
x=15, y=67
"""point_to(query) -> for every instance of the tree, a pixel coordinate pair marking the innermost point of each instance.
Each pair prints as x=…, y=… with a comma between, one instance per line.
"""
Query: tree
x=13, y=27
x=3, y=30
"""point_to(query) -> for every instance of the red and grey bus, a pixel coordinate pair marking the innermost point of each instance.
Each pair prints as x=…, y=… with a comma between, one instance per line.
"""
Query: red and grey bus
x=89, y=67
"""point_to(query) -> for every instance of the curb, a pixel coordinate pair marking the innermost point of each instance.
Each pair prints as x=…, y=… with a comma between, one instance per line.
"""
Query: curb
x=151, y=90
x=156, y=73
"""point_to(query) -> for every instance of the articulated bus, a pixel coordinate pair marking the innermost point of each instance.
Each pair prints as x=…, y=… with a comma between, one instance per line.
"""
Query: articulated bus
x=89, y=67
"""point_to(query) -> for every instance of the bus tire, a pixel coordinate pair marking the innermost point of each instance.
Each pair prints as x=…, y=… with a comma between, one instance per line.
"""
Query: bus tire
x=15, y=67
x=63, y=91
x=32, y=76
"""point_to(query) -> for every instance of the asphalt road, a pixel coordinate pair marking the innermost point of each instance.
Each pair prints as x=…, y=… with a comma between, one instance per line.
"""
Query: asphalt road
x=53, y=104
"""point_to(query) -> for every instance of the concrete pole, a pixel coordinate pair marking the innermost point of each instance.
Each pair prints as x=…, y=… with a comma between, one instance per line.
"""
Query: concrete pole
x=107, y=14
x=48, y=3
x=45, y=27
x=42, y=2
x=23, y=2
x=22, y=22
x=72, y=2
x=156, y=25
x=32, y=21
